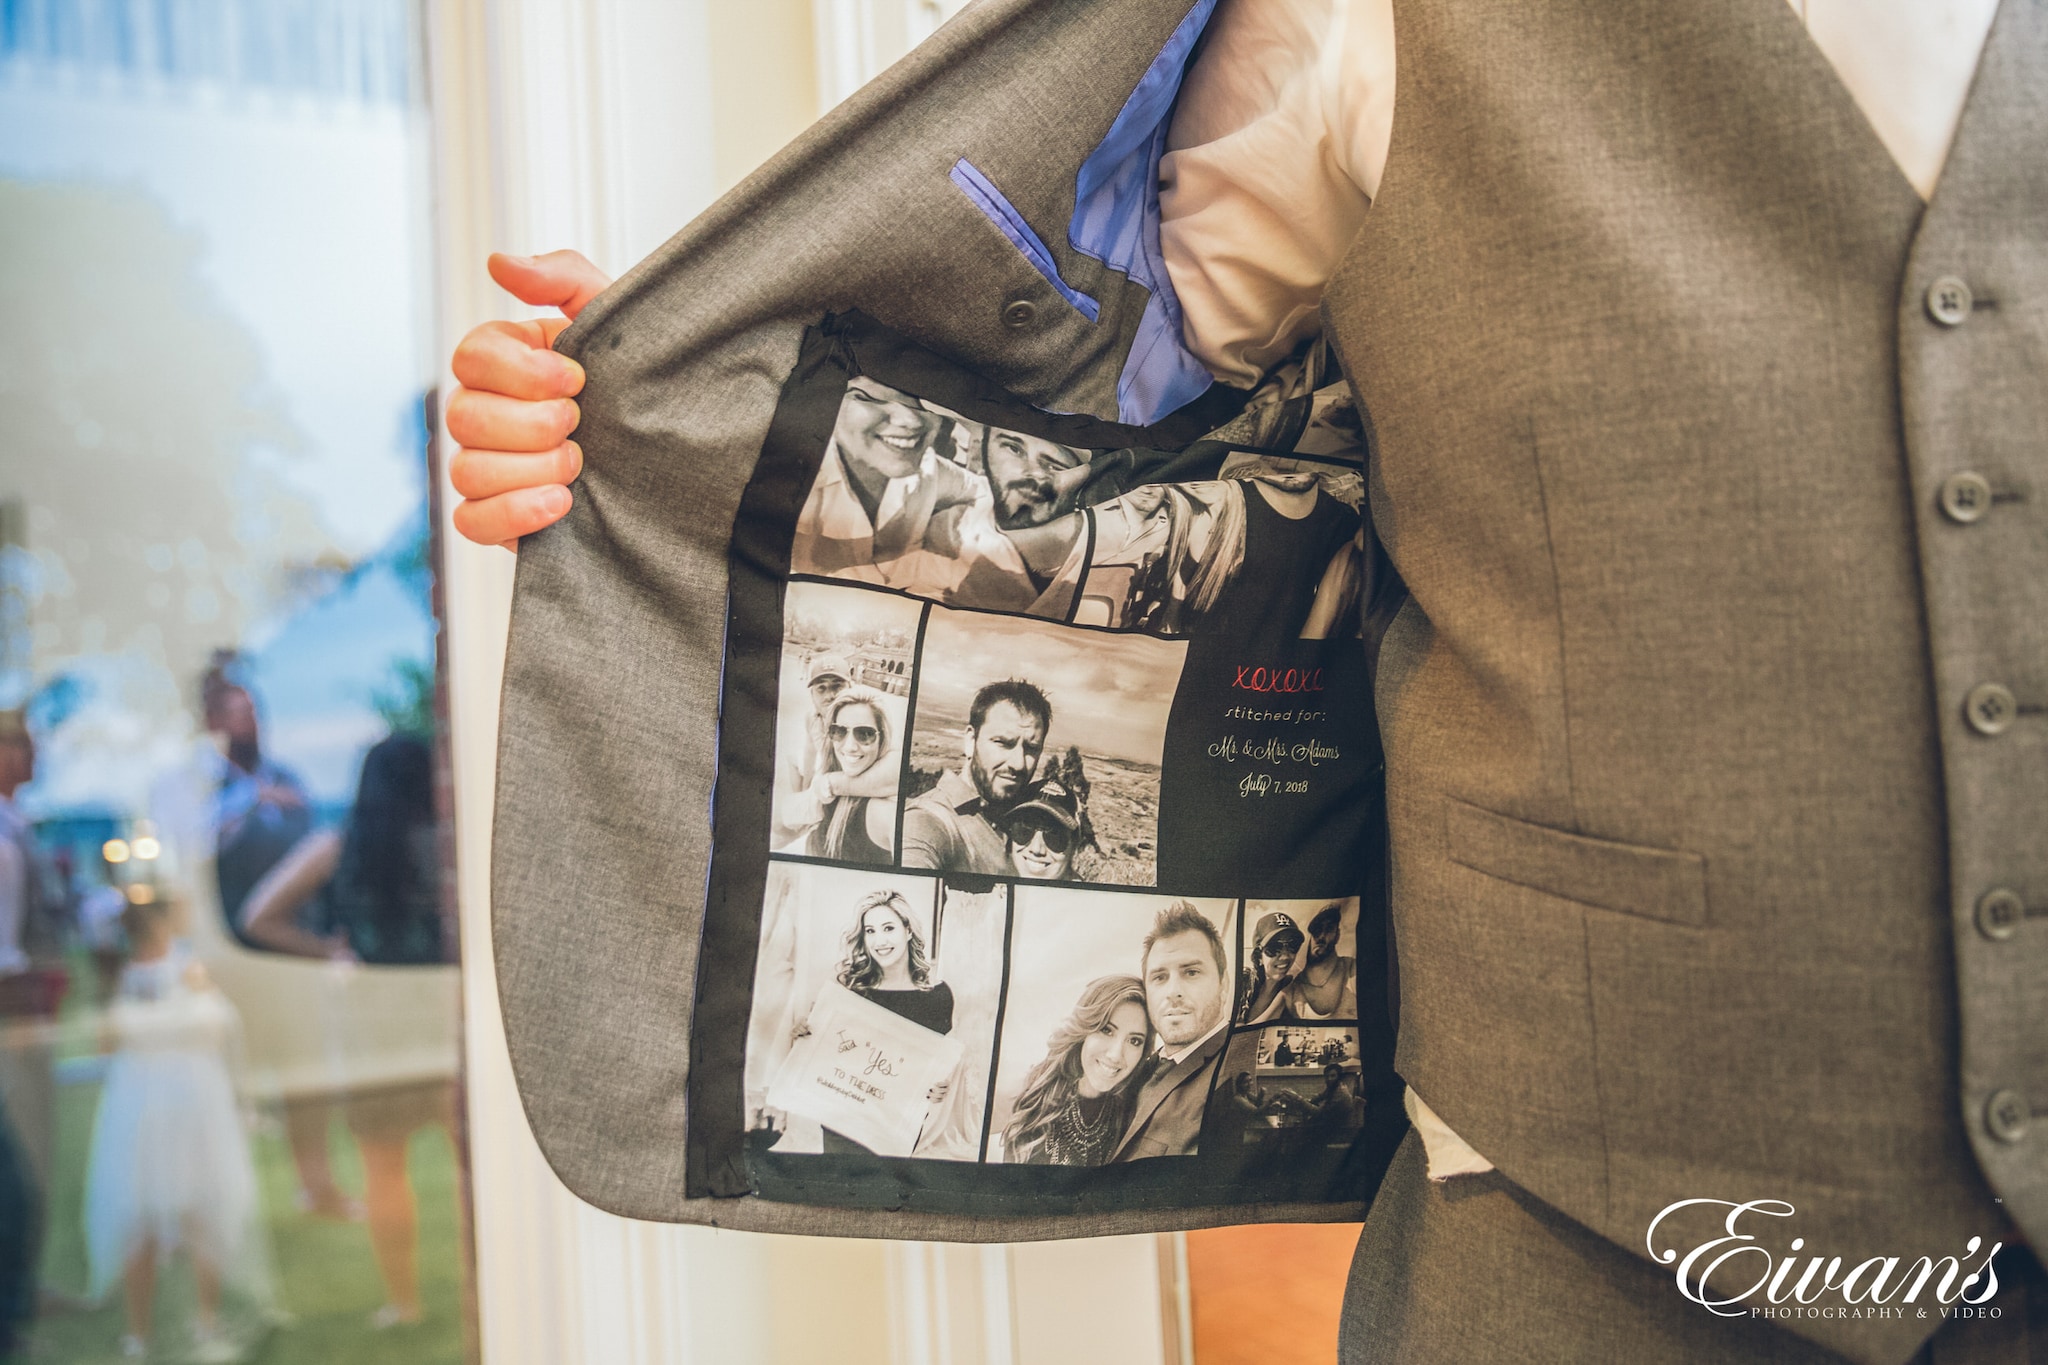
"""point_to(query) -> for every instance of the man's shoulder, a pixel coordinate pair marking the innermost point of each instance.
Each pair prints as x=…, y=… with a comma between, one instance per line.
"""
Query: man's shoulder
x=928, y=807
x=944, y=797
x=931, y=831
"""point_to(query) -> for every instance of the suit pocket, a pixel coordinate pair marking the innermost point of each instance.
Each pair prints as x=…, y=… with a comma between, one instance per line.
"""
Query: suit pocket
x=997, y=208
x=1656, y=883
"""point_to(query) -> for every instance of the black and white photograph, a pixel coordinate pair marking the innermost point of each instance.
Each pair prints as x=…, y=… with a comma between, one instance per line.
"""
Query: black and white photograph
x=1302, y=405
x=928, y=954
x=914, y=497
x=1116, y=1015
x=1300, y=961
x=1295, y=1085
x=842, y=702
x=1035, y=750
x=1271, y=551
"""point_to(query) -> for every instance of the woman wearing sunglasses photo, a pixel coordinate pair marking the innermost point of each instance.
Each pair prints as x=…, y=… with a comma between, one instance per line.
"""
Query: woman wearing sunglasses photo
x=855, y=829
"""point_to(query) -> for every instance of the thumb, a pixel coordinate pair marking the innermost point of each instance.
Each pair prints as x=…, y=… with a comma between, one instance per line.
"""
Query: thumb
x=561, y=279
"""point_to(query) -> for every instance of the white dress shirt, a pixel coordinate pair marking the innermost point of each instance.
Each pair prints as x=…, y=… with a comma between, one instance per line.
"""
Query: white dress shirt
x=1281, y=136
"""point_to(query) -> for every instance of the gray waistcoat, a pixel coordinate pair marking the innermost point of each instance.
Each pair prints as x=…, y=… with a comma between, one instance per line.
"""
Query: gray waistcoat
x=1690, y=827
x=1698, y=845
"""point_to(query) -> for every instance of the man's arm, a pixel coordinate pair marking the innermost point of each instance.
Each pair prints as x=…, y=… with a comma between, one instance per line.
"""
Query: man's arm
x=796, y=807
x=269, y=915
x=877, y=783
x=926, y=840
x=14, y=875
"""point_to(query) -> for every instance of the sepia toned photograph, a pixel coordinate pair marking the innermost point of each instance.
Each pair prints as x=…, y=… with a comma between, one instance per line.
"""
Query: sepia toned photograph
x=1299, y=1087
x=840, y=948
x=1272, y=551
x=915, y=497
x=1300, y=961
x=843, y=699
x=1116, y=1014
x=1303, y=405
x=1035, y=750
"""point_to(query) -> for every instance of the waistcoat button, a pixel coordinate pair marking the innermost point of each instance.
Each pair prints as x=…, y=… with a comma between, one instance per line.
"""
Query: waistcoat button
x=1948, y=301
x=1019, y=314
x=1999, y=913
x=1965, y=497
x=2006, y=1114
x=1990, y=708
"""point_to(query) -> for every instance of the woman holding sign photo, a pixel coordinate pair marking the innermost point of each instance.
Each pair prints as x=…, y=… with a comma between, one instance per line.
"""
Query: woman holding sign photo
x=885, y=962
x=1075, y=1104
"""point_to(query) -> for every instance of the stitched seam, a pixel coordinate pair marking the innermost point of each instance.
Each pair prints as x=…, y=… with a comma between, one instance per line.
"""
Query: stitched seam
x=1599, y=1086
x=1580, y=901
x=1564, y=673
x=1572, y=837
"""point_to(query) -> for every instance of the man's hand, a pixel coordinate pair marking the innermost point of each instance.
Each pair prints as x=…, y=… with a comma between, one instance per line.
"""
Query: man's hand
x=514, y=412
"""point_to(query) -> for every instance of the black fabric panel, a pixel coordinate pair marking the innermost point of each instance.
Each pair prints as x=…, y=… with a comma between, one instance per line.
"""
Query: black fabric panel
x=1205, y=848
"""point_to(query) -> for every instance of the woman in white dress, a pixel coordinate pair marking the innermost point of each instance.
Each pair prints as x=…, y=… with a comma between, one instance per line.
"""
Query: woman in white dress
x=170, y=1169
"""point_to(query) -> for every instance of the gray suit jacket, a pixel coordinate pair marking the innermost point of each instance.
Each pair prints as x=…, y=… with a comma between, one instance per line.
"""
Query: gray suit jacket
x=1714, y=728
x=608, y=741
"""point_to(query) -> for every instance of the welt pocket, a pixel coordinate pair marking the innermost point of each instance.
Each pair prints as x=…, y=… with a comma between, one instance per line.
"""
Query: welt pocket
x=997, y=208
x=1657, y=883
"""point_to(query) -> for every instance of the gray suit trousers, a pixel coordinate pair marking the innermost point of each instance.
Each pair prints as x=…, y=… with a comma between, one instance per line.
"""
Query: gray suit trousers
x=1476, y=1271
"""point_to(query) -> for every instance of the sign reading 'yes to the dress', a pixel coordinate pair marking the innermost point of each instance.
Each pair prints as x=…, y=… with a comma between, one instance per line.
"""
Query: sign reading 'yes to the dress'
x=864, y=1072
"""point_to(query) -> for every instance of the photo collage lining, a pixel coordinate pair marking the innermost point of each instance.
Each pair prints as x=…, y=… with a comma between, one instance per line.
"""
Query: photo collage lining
x=978, y=943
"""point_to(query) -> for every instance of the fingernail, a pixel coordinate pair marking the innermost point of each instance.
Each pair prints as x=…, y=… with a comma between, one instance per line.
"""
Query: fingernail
x=572, y=375
x=558, y=501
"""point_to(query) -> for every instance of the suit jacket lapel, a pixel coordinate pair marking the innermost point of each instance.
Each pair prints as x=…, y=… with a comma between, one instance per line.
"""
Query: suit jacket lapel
x=1165, y=1078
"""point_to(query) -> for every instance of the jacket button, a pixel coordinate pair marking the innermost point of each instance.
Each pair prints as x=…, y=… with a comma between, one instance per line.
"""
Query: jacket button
x=1948, y=301
x=1019, y=314
x=2006, y=1114
x=1990, y=708
x=1999, y=913
x=1965, y=497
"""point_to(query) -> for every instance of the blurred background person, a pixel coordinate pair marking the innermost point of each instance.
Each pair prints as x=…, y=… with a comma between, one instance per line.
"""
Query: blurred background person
x=370, y=893
x=32, y=981
x=260, y=809
x=170, y=1169
x=21, y=1212
x=259, y=813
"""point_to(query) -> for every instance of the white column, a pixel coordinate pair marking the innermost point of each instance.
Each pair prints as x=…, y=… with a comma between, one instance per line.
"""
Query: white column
x=579, y=123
